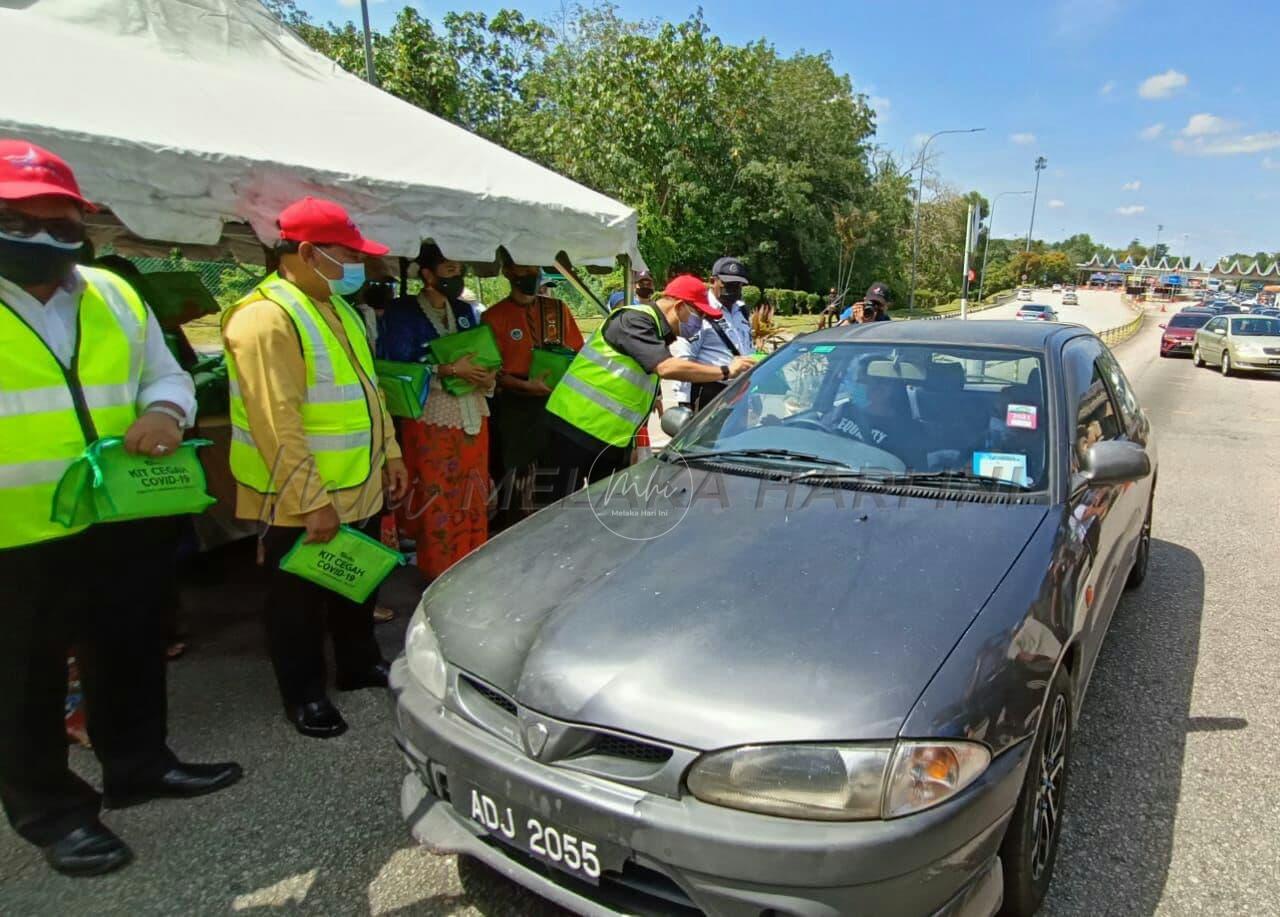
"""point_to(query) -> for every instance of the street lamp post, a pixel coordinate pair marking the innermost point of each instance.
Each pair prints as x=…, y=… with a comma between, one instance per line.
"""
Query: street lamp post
x=991, y=221
x=368, y=45
x=915, y=249
x=1041, y=165
x=1156, y=248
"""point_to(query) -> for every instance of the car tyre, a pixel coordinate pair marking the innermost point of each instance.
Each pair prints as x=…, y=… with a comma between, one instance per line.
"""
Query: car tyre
x=1226, y=363
x=1195, y=356
x=1142, y=560
x=1030, y=845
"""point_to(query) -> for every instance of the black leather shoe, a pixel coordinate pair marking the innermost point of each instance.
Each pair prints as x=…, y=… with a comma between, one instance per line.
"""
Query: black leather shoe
x=377, y=675
x=181, y=781
x=319, y=719
x=88, y=851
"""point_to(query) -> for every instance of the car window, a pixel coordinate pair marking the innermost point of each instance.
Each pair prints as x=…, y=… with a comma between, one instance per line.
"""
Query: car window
x=1120, y=388
x=1256, y=327
x=1089, y=401
x=1215, y=324
x=1188, y=321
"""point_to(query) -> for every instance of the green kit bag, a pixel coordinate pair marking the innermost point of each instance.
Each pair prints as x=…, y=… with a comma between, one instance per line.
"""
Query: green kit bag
x=550, y=363
x=352, y=564
x=107, y=484
x=478, y=343
x=405, y=386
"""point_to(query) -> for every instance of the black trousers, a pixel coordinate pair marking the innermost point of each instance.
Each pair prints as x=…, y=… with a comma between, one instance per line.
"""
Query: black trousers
x=298, y=613
x=701, y=393
x=577, y=460
x=93, y=591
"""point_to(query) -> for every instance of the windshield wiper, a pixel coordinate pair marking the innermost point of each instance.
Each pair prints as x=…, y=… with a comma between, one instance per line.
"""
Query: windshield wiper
x=879, y=476
x=786, y=454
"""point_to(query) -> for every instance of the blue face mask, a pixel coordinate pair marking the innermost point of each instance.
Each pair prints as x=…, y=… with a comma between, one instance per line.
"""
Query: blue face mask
x=691, y=326
x=352, y=278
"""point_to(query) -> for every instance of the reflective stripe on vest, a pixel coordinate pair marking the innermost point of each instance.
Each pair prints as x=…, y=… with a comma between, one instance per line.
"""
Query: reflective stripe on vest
x=335, y=413
x=41, y=429
x=606, y=393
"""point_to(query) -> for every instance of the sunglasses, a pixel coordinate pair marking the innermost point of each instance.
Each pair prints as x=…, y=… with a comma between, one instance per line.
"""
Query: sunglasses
x=24, y=226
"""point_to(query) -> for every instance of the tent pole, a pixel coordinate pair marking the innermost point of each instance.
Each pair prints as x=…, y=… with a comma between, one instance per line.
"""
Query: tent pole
x=566, y=269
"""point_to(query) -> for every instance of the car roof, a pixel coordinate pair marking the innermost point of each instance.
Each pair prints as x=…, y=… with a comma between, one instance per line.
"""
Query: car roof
x=998, y=333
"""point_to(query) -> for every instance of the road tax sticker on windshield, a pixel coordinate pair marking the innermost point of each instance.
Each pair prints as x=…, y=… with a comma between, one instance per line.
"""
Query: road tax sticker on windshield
x=1021, y=417
x=1001, y=466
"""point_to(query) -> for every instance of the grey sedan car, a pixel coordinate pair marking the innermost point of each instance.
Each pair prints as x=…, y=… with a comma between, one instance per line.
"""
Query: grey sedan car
x=823, y=656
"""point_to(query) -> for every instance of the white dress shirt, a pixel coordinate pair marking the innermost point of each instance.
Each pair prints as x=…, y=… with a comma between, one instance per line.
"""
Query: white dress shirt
x=56, y=322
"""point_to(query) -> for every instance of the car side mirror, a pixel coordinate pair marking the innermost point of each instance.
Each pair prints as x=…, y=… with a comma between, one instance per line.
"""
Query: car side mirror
x=1219, y=330
x=1164, y=325
x=1114, y=462
x=675, y=419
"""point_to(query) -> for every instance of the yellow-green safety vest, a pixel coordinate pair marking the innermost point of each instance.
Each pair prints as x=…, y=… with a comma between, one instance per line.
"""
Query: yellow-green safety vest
x=48, y=413
x=605, y=392
x=335, y=414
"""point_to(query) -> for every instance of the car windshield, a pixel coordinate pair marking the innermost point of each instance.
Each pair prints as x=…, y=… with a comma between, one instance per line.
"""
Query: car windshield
x=1194, y=320
x=1029, y=307
x=875, y=410
x=1256, y=327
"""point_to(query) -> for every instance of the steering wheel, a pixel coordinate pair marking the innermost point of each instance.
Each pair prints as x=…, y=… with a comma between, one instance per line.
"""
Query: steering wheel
x=809, y=422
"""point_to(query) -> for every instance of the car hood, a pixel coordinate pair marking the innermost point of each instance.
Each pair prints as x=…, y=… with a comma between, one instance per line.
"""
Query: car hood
x=748, y=621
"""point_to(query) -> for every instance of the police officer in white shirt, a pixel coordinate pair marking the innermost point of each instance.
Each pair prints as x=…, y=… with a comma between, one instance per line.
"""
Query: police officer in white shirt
x=718, y=341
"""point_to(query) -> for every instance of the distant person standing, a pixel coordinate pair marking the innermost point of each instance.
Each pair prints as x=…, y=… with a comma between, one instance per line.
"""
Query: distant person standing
x=831, y=311
x=874, y=307
x=719, y=339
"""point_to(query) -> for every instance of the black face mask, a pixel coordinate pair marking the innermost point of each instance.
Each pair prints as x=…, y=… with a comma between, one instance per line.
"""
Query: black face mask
x=31, y=264
x=528, y=284
x=644, y=292
x=450, y=286
x=732, y=293
x=378, y=294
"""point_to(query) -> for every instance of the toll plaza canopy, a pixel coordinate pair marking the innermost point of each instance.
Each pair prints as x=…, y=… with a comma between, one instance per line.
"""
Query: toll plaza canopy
x=188, y=118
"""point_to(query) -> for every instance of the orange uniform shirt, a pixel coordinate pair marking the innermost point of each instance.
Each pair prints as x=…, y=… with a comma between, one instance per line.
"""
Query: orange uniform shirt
x=519, y=329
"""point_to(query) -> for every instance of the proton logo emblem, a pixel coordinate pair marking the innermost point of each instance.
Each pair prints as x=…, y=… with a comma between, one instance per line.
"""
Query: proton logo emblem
x=535, y=738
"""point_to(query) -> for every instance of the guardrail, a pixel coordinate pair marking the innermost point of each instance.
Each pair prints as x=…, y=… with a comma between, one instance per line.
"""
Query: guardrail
x=1003, y=298
x=1121, y=333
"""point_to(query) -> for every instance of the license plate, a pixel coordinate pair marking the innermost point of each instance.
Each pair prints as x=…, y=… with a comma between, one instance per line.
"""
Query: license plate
x=556, y=845
x=1273, y=362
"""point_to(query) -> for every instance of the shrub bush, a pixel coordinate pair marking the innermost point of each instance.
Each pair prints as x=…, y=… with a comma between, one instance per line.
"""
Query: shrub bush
x=751, y=295
x=814, y=303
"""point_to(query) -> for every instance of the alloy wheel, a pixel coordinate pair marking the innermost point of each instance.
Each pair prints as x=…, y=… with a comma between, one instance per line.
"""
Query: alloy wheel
x=1053, y=763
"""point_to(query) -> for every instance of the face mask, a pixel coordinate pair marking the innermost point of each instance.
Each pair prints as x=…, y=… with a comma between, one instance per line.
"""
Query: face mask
x=689, y=327
x=732, y=293
x=378, y=295
x=527, y=284
x=450, y=286
x=352, y=278
x=644, y=292
x=37, y=260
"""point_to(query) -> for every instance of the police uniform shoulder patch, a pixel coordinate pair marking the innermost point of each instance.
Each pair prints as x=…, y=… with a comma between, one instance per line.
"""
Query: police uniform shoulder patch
x=464, y=322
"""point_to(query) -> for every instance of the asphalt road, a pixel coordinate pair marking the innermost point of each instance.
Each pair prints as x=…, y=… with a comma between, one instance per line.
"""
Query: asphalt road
x=1097, y=309
x=1171, y=802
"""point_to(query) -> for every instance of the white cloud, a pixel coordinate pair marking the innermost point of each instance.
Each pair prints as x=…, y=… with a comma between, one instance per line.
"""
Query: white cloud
x=1205, y=124
x=1233, y=145
x=1055, y=203
x=1023, y=139
x=1131, y=185
x=1131, y=210
x=1151, y=132
x=1269, y=163
x=1162, y=85
x=1107, y=88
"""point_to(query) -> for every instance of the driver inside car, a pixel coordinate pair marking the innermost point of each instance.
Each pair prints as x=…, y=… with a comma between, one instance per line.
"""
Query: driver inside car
x=878, y=412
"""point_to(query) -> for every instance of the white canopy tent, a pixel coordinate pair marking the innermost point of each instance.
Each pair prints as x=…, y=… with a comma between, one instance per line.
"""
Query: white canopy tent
x=185, y=117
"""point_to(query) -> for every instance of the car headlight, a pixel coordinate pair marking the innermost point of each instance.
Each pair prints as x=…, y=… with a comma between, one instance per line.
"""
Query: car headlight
x=837, y=782
x=422, y=651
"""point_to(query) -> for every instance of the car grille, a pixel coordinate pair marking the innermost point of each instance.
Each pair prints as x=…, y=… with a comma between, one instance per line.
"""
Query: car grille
x=631, y=749
x=495, y=697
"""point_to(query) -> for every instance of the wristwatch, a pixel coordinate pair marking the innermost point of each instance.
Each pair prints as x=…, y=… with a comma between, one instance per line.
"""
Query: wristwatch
x=724, y=372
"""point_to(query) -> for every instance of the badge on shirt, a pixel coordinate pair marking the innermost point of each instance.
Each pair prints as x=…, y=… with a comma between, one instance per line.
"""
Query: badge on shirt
x=517, y=334
x=464, y=322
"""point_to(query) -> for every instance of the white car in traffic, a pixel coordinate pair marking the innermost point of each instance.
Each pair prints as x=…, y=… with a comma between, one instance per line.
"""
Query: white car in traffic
x=1034, y=312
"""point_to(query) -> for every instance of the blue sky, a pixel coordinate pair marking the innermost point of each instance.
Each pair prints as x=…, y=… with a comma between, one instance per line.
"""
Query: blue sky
x=1148, y=113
